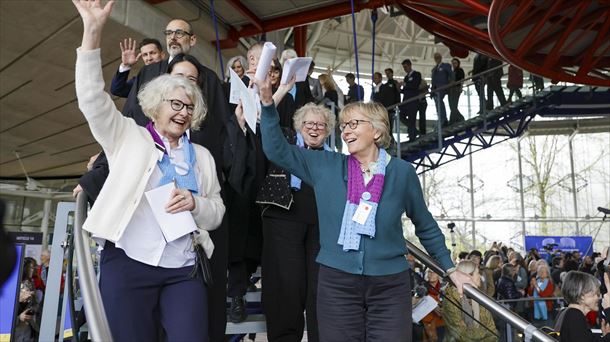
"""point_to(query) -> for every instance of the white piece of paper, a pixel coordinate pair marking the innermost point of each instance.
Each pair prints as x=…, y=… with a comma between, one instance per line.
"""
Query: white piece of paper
x=264, y=62
x=173, y=226
x=295, y=66
x=239, y=92
x=424, y=307
x=362, y=212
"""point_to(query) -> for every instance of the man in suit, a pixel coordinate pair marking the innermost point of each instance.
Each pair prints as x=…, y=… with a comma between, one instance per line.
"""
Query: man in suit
x=410, y=89
x=387, y=94
x=150, y=52
x=479, y=65
x=442, y=75
x=356, y=92
x=494, y=83
x=218, y=133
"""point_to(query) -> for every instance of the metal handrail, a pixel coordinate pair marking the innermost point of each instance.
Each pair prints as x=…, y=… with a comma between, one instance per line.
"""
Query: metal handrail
x=481, y=298
x=92, y=299
x=528, y=299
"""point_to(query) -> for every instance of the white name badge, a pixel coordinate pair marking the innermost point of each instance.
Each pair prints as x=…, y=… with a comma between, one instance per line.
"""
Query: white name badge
x=362, y=213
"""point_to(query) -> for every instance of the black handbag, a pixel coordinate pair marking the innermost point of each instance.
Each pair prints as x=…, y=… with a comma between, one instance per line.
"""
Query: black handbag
x=276, y=190
x=202, y=264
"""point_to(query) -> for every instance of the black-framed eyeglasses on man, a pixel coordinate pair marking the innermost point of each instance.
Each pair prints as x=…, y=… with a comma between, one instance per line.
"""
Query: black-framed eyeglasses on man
x=178, y=33
x=177, y=105
x=312, y=124
x=353, y=124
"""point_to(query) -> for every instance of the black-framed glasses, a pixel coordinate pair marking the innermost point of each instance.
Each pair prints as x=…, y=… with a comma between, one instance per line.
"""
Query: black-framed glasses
x=177, y=105
x=312, y=124
x=178, y=33
x=353, y=124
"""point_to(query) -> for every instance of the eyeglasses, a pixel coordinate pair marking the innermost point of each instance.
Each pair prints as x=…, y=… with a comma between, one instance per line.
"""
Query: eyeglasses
x=317, y=125
x=177, y=105
x=353, y=124
x=178, y=33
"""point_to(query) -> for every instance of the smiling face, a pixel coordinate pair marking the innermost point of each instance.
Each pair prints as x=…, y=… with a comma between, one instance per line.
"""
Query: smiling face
x=360, y=140
x=275, y=74
x=187, y=70
x=590, y=300
x=176, y=45
x=314, y=136
x=172, y=123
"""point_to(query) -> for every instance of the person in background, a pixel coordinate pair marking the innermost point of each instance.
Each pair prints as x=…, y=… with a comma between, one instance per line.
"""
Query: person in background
x=581, y=291
x=521, y=280
x=291, y=235
x=442, y=75
x=433, y=322
x=238, y=64
x=331, y=101
x=27, y=328
x=479, y=65
x=487, y=276
x=356, y=91
x=515, y=82
x=300, y=92
x=410, y=89
x=494, y=83
x=151, y=52
x=314, y=85
x=473, y=322
x=541, y=286
x=455, y=92
x=494, y=264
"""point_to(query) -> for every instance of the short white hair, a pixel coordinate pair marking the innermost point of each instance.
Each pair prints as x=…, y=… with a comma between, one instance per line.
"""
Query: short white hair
x=287, y=54
x=311, y=107
x=241, y=59
x=153, y=94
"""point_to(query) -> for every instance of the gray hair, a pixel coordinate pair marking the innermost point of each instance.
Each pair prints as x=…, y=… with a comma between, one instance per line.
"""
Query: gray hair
x=576, y=284
x=287, y=54
x=241, y=59
x=151, y=97
x=324, y=112
x=378, y=116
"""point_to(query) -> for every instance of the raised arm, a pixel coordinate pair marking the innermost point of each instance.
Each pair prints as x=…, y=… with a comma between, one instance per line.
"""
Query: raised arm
x=94, y=18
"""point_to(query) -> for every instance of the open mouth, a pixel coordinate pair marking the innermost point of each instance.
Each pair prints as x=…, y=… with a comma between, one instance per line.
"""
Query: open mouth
x=350, y=140
x=178, y=121
x=313, y=135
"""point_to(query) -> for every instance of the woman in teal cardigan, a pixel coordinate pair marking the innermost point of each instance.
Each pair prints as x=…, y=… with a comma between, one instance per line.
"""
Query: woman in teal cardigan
x=363, y=285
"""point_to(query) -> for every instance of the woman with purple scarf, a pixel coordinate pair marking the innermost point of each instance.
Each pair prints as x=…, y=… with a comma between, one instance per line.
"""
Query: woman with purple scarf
x=149, y=275
x=364, y=292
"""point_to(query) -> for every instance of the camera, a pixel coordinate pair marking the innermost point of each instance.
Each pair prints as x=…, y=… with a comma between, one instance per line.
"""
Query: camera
x=549, y=247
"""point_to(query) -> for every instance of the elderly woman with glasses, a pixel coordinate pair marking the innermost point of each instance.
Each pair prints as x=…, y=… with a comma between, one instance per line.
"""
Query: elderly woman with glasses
x=363, y=281
x=291, y=236
x=581, y=291
x=148, y=275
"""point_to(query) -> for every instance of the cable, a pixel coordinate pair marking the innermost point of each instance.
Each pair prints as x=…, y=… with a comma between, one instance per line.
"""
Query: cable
x=360, y=96
x=217, y=39
x=374, y=20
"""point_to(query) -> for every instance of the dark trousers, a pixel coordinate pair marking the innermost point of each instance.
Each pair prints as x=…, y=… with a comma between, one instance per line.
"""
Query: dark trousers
x=138, y=298
x=512, y=91
x=408, y=114
x=494, y=85
x=355, y=308
x=290, y=278
x=440, y=106
x=479, y=86
x=422, y=105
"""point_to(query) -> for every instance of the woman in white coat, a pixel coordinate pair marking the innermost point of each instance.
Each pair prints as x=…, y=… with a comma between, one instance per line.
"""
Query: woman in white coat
x=146, y=276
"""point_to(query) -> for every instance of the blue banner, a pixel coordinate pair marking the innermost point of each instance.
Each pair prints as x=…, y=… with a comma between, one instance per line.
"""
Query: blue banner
x=550, y=244
x=9, y=297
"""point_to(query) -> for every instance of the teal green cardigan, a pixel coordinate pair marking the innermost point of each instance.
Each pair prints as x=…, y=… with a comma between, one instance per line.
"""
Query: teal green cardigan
x=326, y=172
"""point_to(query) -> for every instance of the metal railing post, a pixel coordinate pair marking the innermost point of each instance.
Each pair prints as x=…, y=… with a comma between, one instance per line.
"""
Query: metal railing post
x=92, y=299
x=480, y=297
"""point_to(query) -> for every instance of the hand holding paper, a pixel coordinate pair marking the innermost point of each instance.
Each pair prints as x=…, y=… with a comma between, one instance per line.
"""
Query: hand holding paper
x=239, y=92
x=296, y=66
x=173, y=226
x=264, y=62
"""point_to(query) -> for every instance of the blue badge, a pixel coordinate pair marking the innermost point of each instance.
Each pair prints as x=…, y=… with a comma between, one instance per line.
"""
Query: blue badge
x=366, y=195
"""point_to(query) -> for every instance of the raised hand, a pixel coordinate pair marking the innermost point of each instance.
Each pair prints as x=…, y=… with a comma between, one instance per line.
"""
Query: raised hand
x=129, y=56
x=265, y=90
x=94, y=18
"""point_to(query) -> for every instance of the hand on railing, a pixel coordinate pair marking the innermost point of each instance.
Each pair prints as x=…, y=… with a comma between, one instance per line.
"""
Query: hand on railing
x=459, y=279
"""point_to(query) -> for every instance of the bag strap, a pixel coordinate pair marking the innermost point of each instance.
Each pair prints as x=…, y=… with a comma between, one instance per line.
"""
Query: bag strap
x=559, y=320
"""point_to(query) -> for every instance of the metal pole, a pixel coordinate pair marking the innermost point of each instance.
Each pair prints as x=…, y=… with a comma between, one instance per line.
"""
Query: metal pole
x=45, y=224
x=481, y=298
x=472, y=199
x=573, y=177
x=397, y=126
x=92, y=299
x=521, y=197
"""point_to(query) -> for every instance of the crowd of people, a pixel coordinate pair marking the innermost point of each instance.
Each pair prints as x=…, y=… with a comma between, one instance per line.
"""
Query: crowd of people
x=573, y=284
